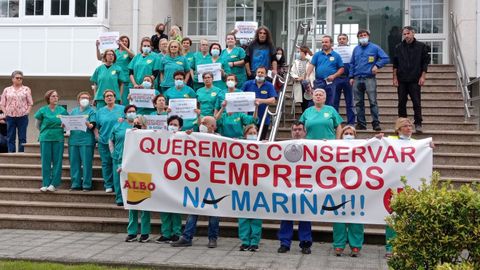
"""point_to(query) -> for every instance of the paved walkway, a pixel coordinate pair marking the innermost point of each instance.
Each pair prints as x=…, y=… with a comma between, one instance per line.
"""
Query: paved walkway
x=107, y=248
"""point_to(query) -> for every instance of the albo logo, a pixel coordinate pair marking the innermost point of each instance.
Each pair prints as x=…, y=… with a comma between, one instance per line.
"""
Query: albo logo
x=139, y=187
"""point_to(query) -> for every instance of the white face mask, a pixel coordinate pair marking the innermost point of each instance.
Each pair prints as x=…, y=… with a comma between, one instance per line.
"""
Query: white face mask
x=279, y=56
x=260, y=78
x=363, y=41
x=251, y=137
x=147, y=84
x=348, y=137
x=146, y=49
x=131, y=116
x=173, y=128
x=215, y=52
x=403, y=137
x=230, y=84
x=203, y=129
x=84, y=102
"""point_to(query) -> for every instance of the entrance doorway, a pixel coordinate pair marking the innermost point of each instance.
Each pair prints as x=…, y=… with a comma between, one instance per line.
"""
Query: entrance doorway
x=273, y=15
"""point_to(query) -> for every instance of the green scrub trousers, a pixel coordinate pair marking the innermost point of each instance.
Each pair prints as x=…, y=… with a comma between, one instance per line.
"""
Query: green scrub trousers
x=51, y=154
x=116, y=180
x=250, y=231
x=343, y=232
x=171, y=224
x=132, y=228
x=81, y=161
x=107, y=165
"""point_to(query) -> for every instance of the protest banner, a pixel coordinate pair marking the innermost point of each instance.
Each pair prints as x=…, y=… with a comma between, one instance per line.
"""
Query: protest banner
x=156, y=121
x=74, y=122
x=108, y=40
x=246, y=30
x=310, y=180
x=183, y=107
x=214, y=68
x=240, y=102
x=142, y=98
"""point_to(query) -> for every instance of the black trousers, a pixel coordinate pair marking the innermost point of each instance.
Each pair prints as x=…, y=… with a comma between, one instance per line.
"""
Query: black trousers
x=413, y=90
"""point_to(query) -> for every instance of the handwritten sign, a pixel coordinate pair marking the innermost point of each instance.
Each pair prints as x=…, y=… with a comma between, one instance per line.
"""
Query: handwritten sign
x=183, y=107
x=142, y=98
x=213, y=68
x=108, y=40
x=156, y=121
x=240, y=102
x=246, y=30
x=74, y=122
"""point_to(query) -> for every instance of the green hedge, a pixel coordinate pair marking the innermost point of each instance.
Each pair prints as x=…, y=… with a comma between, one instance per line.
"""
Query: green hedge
x=436, y=224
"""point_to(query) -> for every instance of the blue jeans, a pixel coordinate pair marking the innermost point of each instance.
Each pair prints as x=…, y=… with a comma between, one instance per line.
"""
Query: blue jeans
x=344, y=84
x=285, y=234
x=360, y=86
x=191, y=227
x=14, y=123
x=329, y=89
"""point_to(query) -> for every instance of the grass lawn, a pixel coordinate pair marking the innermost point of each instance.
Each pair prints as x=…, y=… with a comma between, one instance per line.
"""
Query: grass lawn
x=27, y=265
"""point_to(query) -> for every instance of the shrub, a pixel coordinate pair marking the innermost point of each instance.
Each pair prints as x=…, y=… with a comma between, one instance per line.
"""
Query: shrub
x=461, y=266
x=436, y=224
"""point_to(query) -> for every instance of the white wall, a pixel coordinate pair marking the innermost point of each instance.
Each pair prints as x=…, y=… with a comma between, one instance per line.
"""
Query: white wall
x=465, y=15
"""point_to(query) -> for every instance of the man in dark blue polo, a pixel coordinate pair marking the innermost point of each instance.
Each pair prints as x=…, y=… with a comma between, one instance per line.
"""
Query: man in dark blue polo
x=328, y=65
x=265, y=95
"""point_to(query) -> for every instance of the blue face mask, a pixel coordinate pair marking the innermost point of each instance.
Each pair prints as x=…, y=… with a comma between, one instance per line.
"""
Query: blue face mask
x=260, y=78
x=348, y=137
x=179, y=83
x=297, y=55
x=146, y=49
x=215, y=52
x=403, y=137
x=147, y=84
x=251, y=137
x=131, y=116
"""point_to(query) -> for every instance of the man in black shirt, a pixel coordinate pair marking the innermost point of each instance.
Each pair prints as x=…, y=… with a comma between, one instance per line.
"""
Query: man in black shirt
x=410, y=63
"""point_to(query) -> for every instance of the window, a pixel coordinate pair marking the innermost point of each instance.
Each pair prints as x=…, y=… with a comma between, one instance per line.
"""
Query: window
x=238, y=11
x=350, y=30
x=436, y=51
x=34, y=7
x=60, y=7
x=427, y=16
x=9, y=8
x=85, y=8
x=202, y=17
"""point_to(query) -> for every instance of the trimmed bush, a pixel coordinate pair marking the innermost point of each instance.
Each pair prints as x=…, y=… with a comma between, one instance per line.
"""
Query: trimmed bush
x=436, y=224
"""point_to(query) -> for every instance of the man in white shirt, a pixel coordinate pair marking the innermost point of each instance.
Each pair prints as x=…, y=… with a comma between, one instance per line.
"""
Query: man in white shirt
x=342, y=83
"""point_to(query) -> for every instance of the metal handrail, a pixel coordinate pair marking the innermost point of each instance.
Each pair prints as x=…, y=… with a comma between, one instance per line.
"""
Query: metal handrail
x=276, y=115
x=463, y=80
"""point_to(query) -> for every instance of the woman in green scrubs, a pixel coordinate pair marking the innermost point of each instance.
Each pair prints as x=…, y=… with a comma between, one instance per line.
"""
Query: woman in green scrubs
x=143, y=64
x=232, y=83
x=322, y=122
x=81, y=145
x=51, y=141
x=106, y=118
x=215, y=50
x=235, y=56
x=199, y=58
x=172, y=63
x=181, y=90
x=207, y=95
x=107, y=76
x=232, y=124
x=147, y=84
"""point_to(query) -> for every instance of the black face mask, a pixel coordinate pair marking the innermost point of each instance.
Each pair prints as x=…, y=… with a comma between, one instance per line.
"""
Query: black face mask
x=161, y=31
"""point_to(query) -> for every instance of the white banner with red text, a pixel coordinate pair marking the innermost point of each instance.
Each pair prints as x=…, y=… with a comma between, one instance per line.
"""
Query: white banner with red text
x=311, y=180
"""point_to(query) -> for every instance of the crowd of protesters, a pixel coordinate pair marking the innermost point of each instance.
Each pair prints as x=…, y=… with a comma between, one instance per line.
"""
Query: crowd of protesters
x=167, y=66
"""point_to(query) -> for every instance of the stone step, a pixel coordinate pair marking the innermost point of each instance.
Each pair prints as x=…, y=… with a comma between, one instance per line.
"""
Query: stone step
x=393, y=117
x=426, y=96
x=436, y=82
x=36, y=170
x=456, y=147
x=393, y=109
x=35, y=182
x=464, y=171
x=439, y=75
x=34, y=158
x=425, y=89
x=34, y=147
x=373, y=235
x=388, y=101
x=467, y=159
x=431, y=68
x=35, y=195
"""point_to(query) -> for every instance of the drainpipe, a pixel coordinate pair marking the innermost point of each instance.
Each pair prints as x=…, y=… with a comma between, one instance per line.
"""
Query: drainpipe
x=134, y=43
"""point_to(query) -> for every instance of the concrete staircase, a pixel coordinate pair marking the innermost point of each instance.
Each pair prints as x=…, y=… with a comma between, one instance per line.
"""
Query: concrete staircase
x=23, y=206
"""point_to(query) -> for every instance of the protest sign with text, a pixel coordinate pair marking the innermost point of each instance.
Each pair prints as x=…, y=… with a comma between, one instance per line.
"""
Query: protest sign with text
x=156, y=121
x=311, y=180
x=213, y=68
x=74, y=122
x=108, y=40
x=246, y=30
x=142, y=98
x=183, y=107
x=240, y=102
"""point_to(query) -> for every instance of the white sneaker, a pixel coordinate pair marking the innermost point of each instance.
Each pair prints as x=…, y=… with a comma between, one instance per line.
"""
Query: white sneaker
x=51, y=188
x=108, y=190
x=43, y=189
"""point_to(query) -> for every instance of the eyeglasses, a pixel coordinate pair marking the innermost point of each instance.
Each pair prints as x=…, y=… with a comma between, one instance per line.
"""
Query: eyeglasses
x=19, y=78
x=171, y=47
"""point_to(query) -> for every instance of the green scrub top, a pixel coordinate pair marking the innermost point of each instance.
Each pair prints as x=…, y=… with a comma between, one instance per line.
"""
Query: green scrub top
x=237, y=54
x=157, y=81
x=184, y=92
x=78, y=137
x=207, y=99
x=169, y=66
x=123, y=59
x=199, y=59
x=321, y=125
x=143, y=66
x=232, y=125
x=221, y=97
x=106, y=120
x=107, y=78
x=118, y=138
x=147, y=111
x=51, y=127
x=226, y=69
x=189, y=57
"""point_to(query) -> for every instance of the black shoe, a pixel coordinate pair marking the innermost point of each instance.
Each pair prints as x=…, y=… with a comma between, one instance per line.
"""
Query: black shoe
x=253, y=248
x=244, y=247
x=75, y=189
x=212, y=243
x=306, y=250
x=163, y=240
x=418, y=129
x=144, y=238
x=360, y=127
x=182, y=242
x=283, y=249
x=175, y=238
x=131, y=238
x=377, y=127
x=119, y=203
